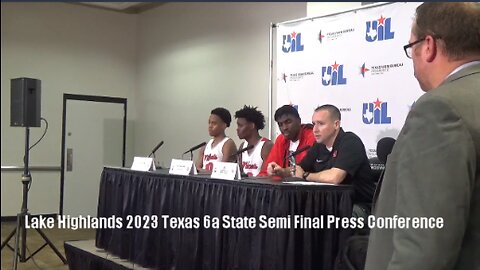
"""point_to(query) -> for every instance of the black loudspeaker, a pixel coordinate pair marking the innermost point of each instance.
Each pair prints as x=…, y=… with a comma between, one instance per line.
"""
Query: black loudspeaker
x=25, y=102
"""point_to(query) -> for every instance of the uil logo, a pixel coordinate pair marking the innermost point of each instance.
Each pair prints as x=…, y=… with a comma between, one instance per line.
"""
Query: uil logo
x=292, y=43
x=333, y=75
x=376, y=113
x=379, y=30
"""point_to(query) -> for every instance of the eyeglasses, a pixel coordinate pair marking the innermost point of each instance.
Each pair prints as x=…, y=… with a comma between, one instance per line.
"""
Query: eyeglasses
x=408, y=48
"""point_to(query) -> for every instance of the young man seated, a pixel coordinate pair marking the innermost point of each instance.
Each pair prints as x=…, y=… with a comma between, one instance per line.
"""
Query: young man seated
x=220, y=147
x=295, y=135
x=249, y=122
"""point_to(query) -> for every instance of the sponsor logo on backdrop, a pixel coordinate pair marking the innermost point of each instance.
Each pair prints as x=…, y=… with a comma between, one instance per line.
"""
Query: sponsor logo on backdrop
x=292, y=43
x=376, y=112
x=333, y=35
x=363, y=70
x=378, y=69
x=345, y=109
x=320, y=36
x=295, y=77
x=284, y=77
x=333, y=75
x=380, y=29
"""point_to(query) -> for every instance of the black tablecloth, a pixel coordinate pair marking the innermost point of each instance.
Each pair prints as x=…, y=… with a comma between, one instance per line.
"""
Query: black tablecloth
x=124, y=192
x=80, y=259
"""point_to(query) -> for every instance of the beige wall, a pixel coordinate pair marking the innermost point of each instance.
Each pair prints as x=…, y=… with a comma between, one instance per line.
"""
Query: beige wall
x=174, y=64
x=194, y=57
x=71, y=49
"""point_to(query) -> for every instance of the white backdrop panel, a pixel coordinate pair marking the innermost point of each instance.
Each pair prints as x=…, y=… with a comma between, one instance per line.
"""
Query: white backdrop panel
x=353, y=60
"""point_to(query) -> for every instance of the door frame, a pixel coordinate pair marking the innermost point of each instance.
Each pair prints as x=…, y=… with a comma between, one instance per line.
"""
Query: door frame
x=104, y=99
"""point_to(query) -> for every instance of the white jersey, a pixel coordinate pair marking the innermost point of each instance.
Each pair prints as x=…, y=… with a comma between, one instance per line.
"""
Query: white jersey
x=252, y=162
x=213, y=154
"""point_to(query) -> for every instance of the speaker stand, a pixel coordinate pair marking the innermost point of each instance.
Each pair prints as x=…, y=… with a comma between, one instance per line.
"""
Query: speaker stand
x=20, y=231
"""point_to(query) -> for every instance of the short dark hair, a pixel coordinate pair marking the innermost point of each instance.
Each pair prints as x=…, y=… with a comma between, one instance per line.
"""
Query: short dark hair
x=251, y=114
x=286, y=110
x=224, y=114
x=456, y=25
x=333, y=110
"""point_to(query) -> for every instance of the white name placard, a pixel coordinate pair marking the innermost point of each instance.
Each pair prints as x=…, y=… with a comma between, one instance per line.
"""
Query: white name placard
x=143, y=164
x=182, y=167
x=226, y=170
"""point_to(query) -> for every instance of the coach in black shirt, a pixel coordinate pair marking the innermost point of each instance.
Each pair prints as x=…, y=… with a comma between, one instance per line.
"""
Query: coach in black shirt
x=337, y=156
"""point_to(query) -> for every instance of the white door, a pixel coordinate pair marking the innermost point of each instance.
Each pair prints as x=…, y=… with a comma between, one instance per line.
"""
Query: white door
x=93, y=139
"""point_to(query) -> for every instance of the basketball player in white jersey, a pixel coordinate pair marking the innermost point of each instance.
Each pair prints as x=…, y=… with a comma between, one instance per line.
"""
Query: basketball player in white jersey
x=249, y=122
x=220, y=147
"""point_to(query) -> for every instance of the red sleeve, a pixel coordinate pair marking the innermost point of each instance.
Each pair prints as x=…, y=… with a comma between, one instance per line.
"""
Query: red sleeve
x=276, y=155
x=307, y=139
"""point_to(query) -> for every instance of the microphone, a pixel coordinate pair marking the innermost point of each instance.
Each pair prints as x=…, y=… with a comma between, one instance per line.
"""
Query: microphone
x=156, y=148
x=242, y=150
x=298, y=151
x=195, y=147
x=384, y=148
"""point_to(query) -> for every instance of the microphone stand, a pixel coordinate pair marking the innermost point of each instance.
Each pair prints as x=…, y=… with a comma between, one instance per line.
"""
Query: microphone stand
x=293, y=164
x=191, y=155
x=292, y=160
x=20, y=230
x=155, y=162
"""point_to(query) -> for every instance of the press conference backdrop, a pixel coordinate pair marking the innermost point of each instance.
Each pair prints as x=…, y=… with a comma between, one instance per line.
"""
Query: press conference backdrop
x=354, y=60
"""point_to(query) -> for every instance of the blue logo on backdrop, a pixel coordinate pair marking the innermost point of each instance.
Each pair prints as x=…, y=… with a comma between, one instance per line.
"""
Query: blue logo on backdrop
x=376, y=113
x=333, y=75
x=379, y=30
x=292, y=43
